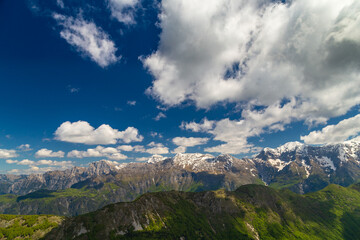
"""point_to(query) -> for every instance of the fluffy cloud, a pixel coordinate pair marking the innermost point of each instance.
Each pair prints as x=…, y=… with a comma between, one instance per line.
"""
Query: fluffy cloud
x=123, y=10
x=126, y=148
x=24, y=147
x=253, y=123
x=296, y=61
x=5, y=153
x=43, y=153
x=99, y=151
x=88, y=39
x=335, y=133
x=25, y=162
x=184, y=142
x=231, y=50
x=9, y=161
x=151, y=148
x=180, y=149
x=156, y=148
x=83, y=132
x=35, y=166
x=190, y=141
x=204, y=126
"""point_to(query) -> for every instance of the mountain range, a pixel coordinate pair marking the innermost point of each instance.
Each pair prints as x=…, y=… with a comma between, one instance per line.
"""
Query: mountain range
x=295, y=166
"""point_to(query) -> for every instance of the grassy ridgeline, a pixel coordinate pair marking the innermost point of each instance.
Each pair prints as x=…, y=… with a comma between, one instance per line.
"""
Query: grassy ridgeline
x=250, y=212
x=27, y=226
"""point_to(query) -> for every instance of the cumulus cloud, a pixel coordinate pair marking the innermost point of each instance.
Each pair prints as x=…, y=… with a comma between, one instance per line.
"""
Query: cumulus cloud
x=184, y=142
x=99, y=151
x=88, y=39
x=204, y=126
x=235, y=133
x=340, y=132
x=83, y=132
x=297, y=61
x=25, y=162
x=24, y=147
x=6, y=153
x=38, y=166
x=123, y=10
x=232, y=50
x=156, y=148
x=189, y=141
x=180, y=149
x=126, y=148
x=9, y=161
x=43, y=153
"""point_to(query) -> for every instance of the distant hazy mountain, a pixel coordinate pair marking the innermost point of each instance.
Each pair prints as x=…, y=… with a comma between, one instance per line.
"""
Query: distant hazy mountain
x=250, y=212
x=295, y=166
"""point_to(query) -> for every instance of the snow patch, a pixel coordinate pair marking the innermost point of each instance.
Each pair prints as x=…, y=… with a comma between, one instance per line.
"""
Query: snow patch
x=156, y=158
x=326, y=162
x=307, y=168
x=277, y=163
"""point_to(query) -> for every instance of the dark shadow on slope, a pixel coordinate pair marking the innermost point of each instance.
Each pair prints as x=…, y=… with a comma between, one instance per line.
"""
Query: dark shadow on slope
x=351, y=225
x=42, y=193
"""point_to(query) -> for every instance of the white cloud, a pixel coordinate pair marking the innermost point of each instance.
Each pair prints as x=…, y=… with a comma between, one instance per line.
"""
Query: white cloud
x=231, y=50
x=83, y=132
x=152, y=148
x=190, y=141
x=142, y=159
x=5, y=153
x=34, y=166
x=180, y=149
x=335, y=133
x=204, y=126
x=123, y=10
x=49, y=153
x=99, y=151
x=88, y=39
x=156, y=148
x=156, y=134
x=184, y=142
x=159, y=116
x=24, y=147
x=60, y=3
x=253, y=123
x=298, y=61
x=25, y=162
x=131, y=103
x=126, y=148
x=9, y=161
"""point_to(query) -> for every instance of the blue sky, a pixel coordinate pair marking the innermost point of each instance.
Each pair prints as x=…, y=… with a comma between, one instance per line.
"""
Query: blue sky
x=126, y=79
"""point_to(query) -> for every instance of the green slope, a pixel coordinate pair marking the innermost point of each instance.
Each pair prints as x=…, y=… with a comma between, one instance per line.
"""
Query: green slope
x=250, y=212
x=27, y=226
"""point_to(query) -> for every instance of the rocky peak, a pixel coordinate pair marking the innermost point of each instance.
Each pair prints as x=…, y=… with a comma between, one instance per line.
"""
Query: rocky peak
x=188, y=159
x=101, y=167
x=156, y=158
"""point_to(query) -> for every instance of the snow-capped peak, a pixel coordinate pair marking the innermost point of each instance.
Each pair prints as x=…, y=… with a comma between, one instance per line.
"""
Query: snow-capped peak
x=291, y=146
x=156, y=158
x=184, y=159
